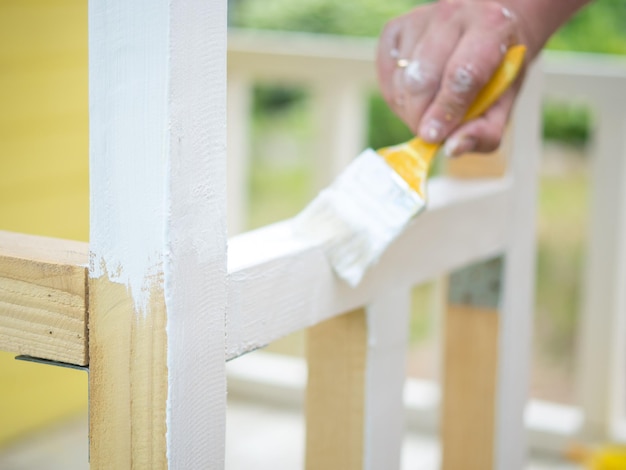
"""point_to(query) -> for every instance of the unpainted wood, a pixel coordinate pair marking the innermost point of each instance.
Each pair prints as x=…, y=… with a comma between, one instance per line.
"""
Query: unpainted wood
x=469, y=384
x=335, y=400
x=127, y=379
x=480, y=165
x=470, y=353
x=43, y=297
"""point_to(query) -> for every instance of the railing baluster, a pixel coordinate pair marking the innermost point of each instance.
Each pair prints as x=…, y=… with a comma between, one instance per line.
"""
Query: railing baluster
x=388, y=326
x=340, y=109
x=602, y=325
x=239, y=97
x=335, y=399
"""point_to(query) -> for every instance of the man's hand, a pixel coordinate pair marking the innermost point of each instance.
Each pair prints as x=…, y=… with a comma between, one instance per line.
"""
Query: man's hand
x=433, y=61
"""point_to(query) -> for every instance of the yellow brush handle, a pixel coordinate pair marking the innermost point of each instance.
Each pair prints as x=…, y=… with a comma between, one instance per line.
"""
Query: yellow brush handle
x=502, y=78
x=412, y=159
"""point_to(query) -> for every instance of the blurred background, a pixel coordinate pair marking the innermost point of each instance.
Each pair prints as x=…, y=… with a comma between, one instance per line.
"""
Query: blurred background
x=44, y=180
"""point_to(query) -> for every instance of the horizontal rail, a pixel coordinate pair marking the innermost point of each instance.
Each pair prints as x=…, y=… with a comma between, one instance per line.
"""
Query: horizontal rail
x=299, y=56
x=43, y=292
x=466, y=221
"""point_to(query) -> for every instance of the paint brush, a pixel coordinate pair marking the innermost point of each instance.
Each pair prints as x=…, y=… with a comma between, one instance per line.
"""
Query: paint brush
x=372, y=201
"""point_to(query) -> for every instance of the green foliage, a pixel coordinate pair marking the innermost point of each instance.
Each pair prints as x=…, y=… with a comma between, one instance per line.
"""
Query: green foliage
x=385, y=128
x=347, y=17
x=600, y=27
x=566, y=122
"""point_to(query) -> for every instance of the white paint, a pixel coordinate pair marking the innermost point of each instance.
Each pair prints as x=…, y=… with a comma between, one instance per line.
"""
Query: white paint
x=279, y=380
x=158, y=155
x=195, y=269
x=463, y=79
x=603, y=317
x=387, y=329
x=417, y=75
x=357, y=217
x=517, y=309
x=279, y=284
x=340, y=117
x=239, y=116
x=128, y=141
x=600, y=80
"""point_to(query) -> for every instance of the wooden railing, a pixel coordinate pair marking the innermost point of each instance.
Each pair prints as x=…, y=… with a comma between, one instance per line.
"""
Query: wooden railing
x=589, y=79
x=166, y=311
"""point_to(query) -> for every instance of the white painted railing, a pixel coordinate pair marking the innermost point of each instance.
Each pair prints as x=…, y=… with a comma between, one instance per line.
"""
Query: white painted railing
x=467, y=222
x=338, y=71
x=601, y=83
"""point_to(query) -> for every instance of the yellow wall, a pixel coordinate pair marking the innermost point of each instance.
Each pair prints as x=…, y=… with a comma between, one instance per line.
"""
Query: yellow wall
x=43, y=174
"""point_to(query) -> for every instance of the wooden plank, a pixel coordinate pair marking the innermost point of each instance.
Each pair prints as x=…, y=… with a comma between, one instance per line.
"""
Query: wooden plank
x=466, y=221
x=158, y=233
x=43, y=290
x=128, y=379
x=487, y=347
x=518, y=300
x=335, y=398
x=480, y=165
x=388, y=329
x=602, y=339
x=470, y=366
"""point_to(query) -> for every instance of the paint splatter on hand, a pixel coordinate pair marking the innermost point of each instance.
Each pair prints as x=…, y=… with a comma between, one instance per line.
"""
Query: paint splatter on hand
x=433, y=61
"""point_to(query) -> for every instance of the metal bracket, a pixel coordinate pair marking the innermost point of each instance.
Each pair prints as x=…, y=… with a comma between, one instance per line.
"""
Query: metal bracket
x=49, y=362
x=478, y=285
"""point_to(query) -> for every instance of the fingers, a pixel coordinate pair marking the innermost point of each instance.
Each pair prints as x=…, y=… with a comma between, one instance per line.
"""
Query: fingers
x=469, y=68
x=450, y=50
x=483, y=134
x=420, y=79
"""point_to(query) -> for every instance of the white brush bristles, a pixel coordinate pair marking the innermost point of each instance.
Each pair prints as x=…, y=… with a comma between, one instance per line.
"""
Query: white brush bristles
x=359, y=215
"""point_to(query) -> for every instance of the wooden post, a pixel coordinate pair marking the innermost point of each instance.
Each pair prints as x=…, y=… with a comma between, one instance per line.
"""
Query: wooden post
x=340, y=118
x=487, y=348
x=388, y=319
x=335, y=401
x=354, y=407
x=43, y=297
x=470, y=364
x=601, y=389
x=239, y=115
x=157, y=244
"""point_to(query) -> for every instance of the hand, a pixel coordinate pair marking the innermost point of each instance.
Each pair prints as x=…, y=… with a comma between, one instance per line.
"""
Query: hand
x=434, y=60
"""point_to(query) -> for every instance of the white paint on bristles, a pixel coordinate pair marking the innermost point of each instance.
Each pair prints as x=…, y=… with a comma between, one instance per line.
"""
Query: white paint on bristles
x=280, y=283
x=358, y=216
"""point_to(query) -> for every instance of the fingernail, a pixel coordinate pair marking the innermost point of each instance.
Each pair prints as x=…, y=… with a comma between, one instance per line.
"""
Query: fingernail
x=458, y=145
x=431, y=132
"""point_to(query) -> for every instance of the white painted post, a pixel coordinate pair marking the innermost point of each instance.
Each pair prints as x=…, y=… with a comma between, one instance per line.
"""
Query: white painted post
x=340, y=108
x=239, y=115
x=385, y=375
x=158, y=233
x=601, y=373
x=519, y=281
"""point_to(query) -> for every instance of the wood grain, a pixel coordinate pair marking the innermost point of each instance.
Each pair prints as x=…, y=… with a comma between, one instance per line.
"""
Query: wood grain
x=128, y=379
x=335, y=400
x=470, y=356
x=469, y=378
x=43, y=297
x=481, y=165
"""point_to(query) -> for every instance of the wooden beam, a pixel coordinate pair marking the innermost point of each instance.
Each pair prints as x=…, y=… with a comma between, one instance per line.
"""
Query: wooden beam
x=466, y=222
x=470, y=357
x=43, y=292
x=335, y=399
x=470, y=367
x=157, y=271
